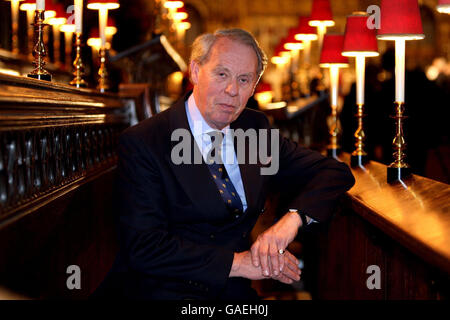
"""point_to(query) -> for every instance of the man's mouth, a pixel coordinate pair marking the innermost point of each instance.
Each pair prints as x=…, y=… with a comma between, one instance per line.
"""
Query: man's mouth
x=227, y=106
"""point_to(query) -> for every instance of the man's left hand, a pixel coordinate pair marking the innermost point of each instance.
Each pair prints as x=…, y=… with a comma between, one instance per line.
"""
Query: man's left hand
x=270, y=242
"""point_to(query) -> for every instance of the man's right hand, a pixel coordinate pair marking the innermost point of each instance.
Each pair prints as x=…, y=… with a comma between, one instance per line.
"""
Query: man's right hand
x=243, y=267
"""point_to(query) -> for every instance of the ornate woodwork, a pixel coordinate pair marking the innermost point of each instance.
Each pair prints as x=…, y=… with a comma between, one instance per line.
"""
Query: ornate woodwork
x=57, y=166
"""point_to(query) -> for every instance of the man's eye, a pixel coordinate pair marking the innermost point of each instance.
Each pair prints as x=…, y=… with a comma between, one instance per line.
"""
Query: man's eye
x=222, y=74
x=243, y=80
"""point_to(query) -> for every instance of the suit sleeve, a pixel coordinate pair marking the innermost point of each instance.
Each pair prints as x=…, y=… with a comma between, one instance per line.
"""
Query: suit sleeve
x=144, y=230
x=315, y=181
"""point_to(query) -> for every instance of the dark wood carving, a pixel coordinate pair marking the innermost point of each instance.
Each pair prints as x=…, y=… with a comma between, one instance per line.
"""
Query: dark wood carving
x=57, y=164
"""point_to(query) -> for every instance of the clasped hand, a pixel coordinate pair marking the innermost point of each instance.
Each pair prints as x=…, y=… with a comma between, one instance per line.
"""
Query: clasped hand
x=265, y=250
x=243, y=267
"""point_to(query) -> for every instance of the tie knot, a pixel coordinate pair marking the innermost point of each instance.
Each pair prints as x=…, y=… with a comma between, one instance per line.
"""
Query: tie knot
x=214, y=135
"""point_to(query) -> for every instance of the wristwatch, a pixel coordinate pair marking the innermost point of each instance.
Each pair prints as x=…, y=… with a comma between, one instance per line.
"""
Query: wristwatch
x=302, y=216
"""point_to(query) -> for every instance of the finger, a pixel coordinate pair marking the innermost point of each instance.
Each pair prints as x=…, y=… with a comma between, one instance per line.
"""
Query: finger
x=263, y=258
x=274, y=256
x=255, y=256
x=281, y=260
x=292, y=262
x=291, y=273
x=283, y=278
x=292, y=266
x=292, y=270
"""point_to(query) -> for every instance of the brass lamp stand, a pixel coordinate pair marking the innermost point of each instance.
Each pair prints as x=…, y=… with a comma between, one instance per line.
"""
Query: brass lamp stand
x=399, y=169
x=359, y=156
x=78, y=73
x=39, y=51
x=103, y=84
x=333, y=148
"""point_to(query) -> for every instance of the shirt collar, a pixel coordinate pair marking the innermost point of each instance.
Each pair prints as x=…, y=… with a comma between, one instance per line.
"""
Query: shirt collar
x=196, y=121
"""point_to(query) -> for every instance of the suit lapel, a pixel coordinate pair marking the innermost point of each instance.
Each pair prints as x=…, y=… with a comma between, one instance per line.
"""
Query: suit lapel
x=250, y=173
x=195, y=179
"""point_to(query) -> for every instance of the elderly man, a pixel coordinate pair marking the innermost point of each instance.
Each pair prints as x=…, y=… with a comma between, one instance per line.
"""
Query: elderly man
x=185, y=225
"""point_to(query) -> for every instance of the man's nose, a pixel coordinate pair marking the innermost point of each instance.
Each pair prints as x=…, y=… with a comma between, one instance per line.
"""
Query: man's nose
x=232, y=88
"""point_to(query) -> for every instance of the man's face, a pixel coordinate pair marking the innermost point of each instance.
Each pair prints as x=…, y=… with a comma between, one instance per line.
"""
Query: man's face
x=223, y=85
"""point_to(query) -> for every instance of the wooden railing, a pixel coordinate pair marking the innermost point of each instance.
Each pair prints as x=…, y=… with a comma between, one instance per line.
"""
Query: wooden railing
x=57, y=163
x=398, y=235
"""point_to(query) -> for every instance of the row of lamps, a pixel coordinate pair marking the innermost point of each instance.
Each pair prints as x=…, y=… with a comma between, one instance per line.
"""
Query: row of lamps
x=400, y=22
x=41, y=13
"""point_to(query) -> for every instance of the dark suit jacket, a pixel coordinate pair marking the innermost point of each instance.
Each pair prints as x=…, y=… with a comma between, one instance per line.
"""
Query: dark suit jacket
x=177, y=239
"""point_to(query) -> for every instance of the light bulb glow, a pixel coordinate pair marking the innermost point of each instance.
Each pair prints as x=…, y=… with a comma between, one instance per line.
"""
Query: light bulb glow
x=99, y=6
x=57, y=21
x=318, y=23
x=67, y=28
x=28, y=6
x=305, y=36
x=279, y=60
x=443, y=8
x=178, y=16
x=360, y=53
x=293, y=46
x=173, y=4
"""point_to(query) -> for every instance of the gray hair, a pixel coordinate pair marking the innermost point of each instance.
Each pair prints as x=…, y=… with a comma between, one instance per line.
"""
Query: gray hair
x=202, y=45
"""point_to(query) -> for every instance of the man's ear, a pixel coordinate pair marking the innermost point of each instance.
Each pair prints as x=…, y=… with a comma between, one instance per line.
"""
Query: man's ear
x=194, y=72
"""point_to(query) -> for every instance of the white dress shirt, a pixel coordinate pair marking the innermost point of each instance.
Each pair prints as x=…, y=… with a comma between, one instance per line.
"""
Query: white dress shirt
x=200, y=129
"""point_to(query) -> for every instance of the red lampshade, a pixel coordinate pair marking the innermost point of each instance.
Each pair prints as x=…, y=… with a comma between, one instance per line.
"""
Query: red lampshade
x=291, y=43
x=400, y=19
x=263, y=87
x=49, y=6
x=280, y=48
x=358, y=38
x=108, y=4
x=304, y=27
x=304, y=30
x=332, y=51
x=60, y=12
x=321, y=13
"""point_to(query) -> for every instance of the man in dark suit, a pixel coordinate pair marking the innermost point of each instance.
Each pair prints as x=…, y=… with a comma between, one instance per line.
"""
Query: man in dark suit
x=185, y=225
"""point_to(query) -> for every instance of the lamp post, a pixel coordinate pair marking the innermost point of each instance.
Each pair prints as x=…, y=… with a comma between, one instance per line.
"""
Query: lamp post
x=39, y=50
x=306, y=34
x=111, y=30
x=280, y=59
x=321, y=18
x=78, y=66
x=15, y=24
x=29, y=6
x=294, y=46
x=359, y=42
x=103, y=6
x=68, y=30
x=331, y=57
x=56, y=22
x=400, y=21
x=95, y=43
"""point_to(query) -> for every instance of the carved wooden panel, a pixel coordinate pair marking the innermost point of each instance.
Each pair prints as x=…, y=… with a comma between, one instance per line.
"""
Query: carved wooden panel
x=52, y=138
